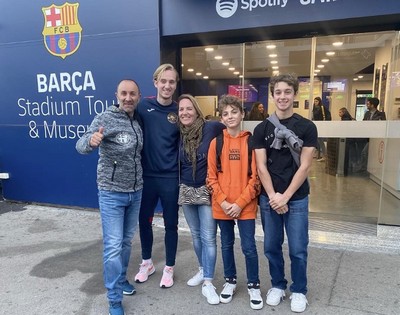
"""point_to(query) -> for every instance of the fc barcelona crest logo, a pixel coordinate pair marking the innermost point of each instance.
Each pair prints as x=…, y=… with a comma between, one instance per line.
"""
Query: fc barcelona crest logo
x=62, y=31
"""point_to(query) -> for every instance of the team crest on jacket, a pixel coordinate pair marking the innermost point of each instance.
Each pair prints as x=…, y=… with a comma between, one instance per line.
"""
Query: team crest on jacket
x=172, y=118
x=61, y=31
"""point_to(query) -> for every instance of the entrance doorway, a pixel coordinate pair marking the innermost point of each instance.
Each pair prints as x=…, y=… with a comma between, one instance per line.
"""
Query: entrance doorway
x=343, y=70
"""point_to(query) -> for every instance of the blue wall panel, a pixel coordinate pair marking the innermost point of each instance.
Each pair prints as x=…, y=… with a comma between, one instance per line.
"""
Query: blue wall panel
x=119, y=39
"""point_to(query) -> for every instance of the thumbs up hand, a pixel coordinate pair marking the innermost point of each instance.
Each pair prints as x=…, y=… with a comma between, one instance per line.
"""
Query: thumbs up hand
x=96, y=138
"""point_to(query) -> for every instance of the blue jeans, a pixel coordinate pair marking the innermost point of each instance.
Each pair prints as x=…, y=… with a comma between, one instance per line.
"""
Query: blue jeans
x=295, y=222
x=166, y=190
x=204, y=229
x=119, y=218
x=249, y=249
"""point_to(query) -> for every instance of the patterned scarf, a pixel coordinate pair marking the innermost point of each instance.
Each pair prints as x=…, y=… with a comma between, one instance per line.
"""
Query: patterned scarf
x=191, y=137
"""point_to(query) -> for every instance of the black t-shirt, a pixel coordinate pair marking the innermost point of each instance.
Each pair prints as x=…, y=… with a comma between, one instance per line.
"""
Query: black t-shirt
x=280, y=163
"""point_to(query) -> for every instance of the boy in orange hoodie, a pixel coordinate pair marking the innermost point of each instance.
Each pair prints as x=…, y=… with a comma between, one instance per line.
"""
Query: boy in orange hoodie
x=234, y=197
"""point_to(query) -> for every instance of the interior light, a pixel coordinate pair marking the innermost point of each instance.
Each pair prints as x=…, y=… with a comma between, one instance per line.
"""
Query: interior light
x=274, y=62
x=337, y=44
x=190, y=70
x=271, y=46
x=355, y=79
x=360, y=76
x=218, y=57
x=236, y=72
x=320, y=66
x=275, y=67
x=225, y=63
x=272, y=55
x=209, y=49
x=231, y=69
x=317, y=70
x=330, y=53
x=205, y=77
x=198, y=73
x=325, y=60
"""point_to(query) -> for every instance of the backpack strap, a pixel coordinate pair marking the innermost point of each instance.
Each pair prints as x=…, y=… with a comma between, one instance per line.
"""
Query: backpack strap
x=218, y=147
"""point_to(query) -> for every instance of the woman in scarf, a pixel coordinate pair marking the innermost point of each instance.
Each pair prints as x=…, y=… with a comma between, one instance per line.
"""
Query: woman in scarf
x=196, y=135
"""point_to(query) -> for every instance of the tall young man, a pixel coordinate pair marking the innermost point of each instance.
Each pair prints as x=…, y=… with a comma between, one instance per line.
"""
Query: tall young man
x=284, y=197
x=160, y=171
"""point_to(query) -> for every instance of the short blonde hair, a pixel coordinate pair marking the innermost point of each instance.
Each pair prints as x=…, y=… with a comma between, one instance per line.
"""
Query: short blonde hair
x=161, y=69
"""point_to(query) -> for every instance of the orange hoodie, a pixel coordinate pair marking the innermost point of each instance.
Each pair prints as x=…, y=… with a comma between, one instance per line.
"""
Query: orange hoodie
x=233, y=184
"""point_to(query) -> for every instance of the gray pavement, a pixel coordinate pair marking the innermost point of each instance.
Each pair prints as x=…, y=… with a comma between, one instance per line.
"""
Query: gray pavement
x=50, y=261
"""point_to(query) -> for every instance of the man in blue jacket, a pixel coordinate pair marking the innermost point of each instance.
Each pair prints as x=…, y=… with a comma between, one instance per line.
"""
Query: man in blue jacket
x=159, y=119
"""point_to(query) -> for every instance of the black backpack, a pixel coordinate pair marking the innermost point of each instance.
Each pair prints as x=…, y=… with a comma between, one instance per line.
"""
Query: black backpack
x=218, y=147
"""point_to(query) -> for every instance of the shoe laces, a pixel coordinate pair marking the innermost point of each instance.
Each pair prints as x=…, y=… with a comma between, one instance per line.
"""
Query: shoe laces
x=276, y=291
x=169, y=271
x=255, y=294
x=209, y=286
x=228, y=288
x=144, y=267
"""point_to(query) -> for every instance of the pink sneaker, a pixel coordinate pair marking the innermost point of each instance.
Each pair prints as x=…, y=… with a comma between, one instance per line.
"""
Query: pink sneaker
x=167, y=279
x=145, y=270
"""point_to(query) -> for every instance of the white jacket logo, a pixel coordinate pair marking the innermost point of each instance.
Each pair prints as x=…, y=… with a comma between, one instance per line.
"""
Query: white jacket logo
x=226, y=8
x=123, y=138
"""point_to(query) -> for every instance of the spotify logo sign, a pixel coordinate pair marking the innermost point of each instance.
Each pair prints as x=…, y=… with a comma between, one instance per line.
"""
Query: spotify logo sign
x=226, y=8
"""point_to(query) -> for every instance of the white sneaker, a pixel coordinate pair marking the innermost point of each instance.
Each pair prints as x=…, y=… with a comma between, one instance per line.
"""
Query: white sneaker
x=227, y=292
x=256, y=301
x=298, y=303
x=275, y=296
x=197, y=279
x=208, y=290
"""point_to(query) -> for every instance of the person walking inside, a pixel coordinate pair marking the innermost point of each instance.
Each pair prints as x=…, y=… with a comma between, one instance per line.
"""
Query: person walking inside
x=117, y=134
x=284, y=197
x=234, y=185
x=159, y=118
x=194, y=197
